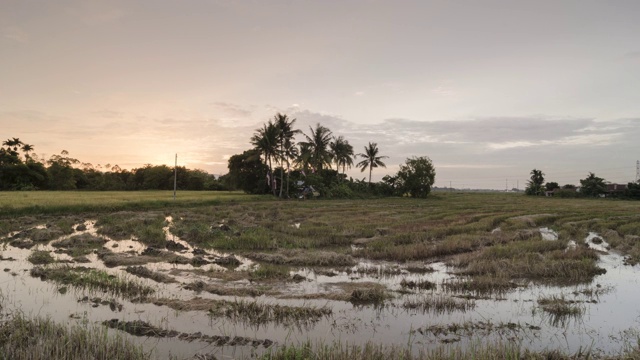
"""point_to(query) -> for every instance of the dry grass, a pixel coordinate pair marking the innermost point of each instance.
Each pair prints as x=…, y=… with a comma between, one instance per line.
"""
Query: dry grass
x=92, y=279
x=371, y=351
x=24, y=338
x=439, y=304
x=253, y=313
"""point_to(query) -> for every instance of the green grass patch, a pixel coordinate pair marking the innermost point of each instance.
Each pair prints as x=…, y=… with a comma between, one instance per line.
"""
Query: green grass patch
x=40, y=258
x=40, y=338
x=59, y=202
x=92, y=279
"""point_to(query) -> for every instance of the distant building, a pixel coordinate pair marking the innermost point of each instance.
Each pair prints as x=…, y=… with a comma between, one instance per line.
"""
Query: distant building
x=615, y=189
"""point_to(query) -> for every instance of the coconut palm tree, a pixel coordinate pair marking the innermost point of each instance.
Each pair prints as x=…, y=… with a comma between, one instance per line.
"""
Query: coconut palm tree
x=534, y=186
x=265, y=140
x=291, y=153
x=318, y=145
x=342, y=153
x=303, y=157
x=285, y=136
x=371, y=159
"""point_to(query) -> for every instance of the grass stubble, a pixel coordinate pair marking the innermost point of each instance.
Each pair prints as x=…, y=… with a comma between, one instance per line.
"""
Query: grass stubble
x=490, y=240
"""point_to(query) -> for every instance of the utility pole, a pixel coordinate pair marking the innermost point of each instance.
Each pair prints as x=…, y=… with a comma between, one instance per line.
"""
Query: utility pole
x=175, y=177
x=506, y=184
x=450, y=188
x=637, y=170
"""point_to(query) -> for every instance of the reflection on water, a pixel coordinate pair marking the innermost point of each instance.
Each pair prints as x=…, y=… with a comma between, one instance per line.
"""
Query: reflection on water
x=610, y=312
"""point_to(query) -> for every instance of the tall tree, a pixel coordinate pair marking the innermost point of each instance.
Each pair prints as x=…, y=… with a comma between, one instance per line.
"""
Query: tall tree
x=318, y=144
x=61, y=172
x=27, y=149
x=592, y=185
x=12, y=145
x=342, y=153
x=416, y=176
x=265, y=140
x=286, y=132
x=303, y=157
x=534, y=186
x=371, y=159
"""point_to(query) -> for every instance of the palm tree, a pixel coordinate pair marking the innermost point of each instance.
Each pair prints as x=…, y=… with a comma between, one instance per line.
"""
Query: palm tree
x=291, y=154
x=371, y=159
x=265, y=140
x=534, y=186
x=27, y=149
x=318, y=144
x=303, y=157
x=12, y=145
x=285, y=136
x=342, y=153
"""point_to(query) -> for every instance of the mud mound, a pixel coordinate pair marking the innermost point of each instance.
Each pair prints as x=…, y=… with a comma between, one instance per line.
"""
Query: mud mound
x=142, y=328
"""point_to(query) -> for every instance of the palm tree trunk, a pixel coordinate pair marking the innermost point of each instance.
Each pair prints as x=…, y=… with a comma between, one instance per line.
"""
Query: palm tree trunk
x=370, y=168
x=288, y=172
x=281, y=169
x=273, y=178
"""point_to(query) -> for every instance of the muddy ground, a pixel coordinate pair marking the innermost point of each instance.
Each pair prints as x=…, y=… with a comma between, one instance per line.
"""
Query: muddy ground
x=236, y=281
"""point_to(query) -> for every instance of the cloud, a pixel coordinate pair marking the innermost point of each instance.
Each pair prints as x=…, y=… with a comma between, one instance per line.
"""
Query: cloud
x=232, y=110
x=481, y=151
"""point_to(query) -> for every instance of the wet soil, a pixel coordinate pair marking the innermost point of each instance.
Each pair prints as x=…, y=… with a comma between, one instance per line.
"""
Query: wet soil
x=202, y=295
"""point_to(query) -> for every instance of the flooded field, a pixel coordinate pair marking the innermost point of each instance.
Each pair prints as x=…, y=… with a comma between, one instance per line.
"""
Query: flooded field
x=245, y=280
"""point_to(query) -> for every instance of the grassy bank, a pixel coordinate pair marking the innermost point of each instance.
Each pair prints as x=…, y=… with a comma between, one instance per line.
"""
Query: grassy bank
x=372, y=351
x=63, y=202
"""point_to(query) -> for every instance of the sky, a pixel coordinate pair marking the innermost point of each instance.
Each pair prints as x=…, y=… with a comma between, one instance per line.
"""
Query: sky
x=487, y=89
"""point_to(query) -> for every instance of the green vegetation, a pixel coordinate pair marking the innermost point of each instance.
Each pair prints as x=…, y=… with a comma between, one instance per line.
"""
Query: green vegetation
x=40, y=258
x=85, y=278
x=416, y=177
x=79, y=245
x=253, y=313
x=560, y=309
x=534, y=185
x=55, y=202
x=24, y=338
x=146, y=227
x=371, y=159
x=491, y=241
x=439, y=304
x=62, y=172
x=372, y=351
x=369, y=295
x=266, y=272
x=593, y=185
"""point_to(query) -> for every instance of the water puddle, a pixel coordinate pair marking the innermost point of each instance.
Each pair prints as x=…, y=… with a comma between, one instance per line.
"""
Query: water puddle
x=596, y=242
x=548, y=234
x=417, y=306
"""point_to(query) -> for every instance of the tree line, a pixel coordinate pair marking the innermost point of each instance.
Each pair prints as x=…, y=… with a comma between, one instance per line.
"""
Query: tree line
x=590, y=186
x=276, y=163
x=317, y=164
x=20, y=170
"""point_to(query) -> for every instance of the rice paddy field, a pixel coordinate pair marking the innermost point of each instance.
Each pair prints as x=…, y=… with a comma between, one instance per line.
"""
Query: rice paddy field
x=138, y=275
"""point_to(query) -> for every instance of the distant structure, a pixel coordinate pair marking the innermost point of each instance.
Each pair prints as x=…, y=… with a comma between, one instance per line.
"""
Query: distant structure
x=637, y=170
